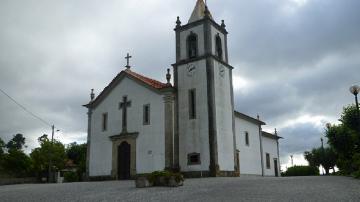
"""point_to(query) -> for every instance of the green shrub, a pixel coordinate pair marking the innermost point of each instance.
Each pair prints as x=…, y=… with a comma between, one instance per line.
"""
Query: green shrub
x=155, y=177
x=356, y=174
x=71, y=177
x=301, y=171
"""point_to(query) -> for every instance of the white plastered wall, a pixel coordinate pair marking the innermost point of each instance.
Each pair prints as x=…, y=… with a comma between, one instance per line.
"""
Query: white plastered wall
x=270, y=146
x=224, y=117
x=193, y=133
x=250, y=156
x=150, y=142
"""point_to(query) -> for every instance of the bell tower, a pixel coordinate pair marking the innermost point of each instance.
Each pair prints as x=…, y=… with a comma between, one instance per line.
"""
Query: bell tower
x=205, y=128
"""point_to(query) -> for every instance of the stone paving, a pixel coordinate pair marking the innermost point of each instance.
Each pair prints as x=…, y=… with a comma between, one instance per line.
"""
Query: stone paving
x=207, y=189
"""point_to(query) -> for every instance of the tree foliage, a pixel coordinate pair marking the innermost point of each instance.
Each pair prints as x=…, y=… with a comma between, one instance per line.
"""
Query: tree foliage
x=17, y=163
x=2, y=147
x=344, y=139
x=16, y=143
x=349, y=118
x=41, y=156
x=14, y=161
x=321, y=156
x=77, y=153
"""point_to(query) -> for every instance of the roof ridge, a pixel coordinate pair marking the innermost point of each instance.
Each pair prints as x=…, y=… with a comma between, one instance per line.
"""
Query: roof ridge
x=144, y=78
x=149, y=81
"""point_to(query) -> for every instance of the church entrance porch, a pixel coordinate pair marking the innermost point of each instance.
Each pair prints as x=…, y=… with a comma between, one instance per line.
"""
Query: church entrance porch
x=124, y=156
x=124, y=161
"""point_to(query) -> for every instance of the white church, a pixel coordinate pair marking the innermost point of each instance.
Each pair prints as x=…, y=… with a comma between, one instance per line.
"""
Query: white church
x=139, y=125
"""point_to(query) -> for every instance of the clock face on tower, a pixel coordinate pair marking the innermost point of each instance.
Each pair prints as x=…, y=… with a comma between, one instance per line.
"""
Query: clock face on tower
x=190, y=69
x=221, y=70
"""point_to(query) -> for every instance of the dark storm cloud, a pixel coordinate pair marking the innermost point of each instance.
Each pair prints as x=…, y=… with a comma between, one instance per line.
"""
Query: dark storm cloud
x=300, y=138
x=298, y=58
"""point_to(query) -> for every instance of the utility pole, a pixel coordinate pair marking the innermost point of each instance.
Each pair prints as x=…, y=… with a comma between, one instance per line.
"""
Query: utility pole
x=292, y=162
x=322, y=154
x=50, y=154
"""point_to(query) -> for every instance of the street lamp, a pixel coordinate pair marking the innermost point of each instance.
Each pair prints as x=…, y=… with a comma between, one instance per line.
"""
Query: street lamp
x=355, y=89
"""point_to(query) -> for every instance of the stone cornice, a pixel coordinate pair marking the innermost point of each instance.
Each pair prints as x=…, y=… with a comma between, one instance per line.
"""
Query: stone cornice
x=127, y=135
x=199, y=22
x=186, y=61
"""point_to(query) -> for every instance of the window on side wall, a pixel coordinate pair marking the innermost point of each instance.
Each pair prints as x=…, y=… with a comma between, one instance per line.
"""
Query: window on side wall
x=192, y=104
x=247, y=142
x=194, y=159
x=104, y=121
x=146, y=114
x=267, y=160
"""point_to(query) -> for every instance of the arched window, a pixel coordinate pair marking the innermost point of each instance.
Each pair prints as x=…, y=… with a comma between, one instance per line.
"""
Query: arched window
x=192, y=45
x=218, y=47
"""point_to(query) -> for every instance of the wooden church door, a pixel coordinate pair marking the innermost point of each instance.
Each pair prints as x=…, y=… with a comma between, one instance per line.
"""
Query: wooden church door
x=124, y=161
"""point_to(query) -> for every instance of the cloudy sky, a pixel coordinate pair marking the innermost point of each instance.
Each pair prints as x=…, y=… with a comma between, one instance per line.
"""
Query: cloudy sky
x=294, y=60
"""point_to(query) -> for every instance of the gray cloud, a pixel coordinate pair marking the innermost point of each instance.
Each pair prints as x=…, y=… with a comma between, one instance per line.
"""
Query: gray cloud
x=298, y=60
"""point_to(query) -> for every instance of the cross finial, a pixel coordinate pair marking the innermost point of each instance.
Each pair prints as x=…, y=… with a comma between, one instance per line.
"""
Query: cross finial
x=128, y=56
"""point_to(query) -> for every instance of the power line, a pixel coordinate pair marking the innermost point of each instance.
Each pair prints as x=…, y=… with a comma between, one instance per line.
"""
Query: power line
x=24, y=108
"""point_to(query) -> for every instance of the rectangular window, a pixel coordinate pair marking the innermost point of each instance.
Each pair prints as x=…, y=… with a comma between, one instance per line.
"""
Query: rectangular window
x=267, y=160
x=194, y=159
x=146, y=114
x=192, y=104
x=104, y=121
x=247, y=138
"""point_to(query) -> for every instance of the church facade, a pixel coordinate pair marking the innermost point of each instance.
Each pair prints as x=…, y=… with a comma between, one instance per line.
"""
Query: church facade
x=139, y=125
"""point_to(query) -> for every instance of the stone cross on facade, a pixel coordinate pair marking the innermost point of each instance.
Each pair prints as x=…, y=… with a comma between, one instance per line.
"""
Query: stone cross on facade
x=124, y=105
x=128, y=56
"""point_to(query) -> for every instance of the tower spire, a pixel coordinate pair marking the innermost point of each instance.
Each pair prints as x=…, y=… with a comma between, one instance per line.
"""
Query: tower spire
x=200, y=11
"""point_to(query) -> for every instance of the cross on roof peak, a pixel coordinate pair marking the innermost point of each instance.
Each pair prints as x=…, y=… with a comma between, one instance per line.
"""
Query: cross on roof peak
x=128, y=56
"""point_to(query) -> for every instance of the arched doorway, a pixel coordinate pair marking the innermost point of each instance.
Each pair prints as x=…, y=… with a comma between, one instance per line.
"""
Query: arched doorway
x=124, y=161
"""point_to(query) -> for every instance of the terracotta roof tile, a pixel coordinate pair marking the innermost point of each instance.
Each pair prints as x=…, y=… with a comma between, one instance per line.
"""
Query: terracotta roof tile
x=147, y=81
x=154, y=83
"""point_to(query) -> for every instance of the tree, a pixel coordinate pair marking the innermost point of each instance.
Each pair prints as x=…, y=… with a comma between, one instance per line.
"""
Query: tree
x=344, y=140
x=328, y=159
x=2, y=153
x=311, y=158
x=321, y=156
x=2, y=147
x=41, y=156
x=16, y=143
x=77, y=153
x=17, y=163
x=349, y=118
